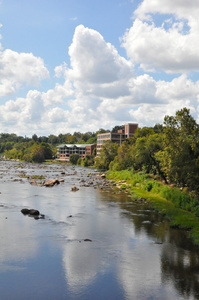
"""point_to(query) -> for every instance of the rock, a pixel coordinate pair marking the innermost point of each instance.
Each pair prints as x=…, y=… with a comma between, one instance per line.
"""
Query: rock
x=32, y=212
x=25, y=211
x=103, y=176
x=51, y=182
x=74, y=189
x=61, y=179
x=141, y=200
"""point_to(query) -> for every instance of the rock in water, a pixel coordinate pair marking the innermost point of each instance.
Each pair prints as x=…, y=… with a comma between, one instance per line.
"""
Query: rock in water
x=51, y=182
x=74, y=189
x=31, y=212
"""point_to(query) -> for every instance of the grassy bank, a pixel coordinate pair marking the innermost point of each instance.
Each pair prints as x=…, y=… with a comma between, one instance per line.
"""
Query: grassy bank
x=179, y=207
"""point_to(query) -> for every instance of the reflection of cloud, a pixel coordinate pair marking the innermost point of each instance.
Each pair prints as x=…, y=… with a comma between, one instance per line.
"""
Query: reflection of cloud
x=81, y=264
x=17, y=242
x=140, y=267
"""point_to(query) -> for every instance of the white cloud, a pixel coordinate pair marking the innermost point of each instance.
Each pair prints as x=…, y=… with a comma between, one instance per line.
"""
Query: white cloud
x=17, y=69
x=181, y=8
x=95, y=61
x=172, y=47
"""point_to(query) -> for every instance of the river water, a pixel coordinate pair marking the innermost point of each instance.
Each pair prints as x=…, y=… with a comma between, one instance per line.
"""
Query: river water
x=92, y=244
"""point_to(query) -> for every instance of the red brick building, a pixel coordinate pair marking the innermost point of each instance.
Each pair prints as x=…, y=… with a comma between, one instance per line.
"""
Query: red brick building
x=116, y=137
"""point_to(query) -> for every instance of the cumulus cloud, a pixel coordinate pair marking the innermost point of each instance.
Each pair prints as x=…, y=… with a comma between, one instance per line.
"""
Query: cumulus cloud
x=17, y=69
x=173, y=48
x=180, y=8
x=95, y=61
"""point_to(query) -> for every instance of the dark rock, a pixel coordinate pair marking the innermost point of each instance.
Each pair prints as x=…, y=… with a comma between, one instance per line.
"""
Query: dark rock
x=25, y=211
x=32, y=212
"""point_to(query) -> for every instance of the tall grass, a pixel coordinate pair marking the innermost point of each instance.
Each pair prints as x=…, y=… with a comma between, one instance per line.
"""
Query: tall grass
x=180, y=199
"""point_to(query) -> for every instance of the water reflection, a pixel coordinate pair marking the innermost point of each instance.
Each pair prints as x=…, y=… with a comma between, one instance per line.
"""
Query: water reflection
x=133, y=254
x=180, y=268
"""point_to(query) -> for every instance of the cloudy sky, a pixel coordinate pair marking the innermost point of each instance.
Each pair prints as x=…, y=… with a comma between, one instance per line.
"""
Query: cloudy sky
x=81, y=65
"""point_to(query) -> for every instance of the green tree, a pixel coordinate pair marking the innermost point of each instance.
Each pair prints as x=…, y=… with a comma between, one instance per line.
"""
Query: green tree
x=74, y=158
x=145, y=154
x=48, y=153
x=35, y=138
x=117, y=127
x=37, y=153
x=107, y=155
x=124, y=159
x=180, y=157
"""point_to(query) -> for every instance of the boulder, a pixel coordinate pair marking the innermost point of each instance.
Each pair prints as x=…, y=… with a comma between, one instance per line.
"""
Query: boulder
x=51, y=182
x=31, y=212
x=61, y=179
x=74, y=189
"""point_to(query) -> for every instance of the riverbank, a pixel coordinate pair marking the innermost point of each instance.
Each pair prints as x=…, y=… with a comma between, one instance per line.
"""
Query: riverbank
x=179, y=207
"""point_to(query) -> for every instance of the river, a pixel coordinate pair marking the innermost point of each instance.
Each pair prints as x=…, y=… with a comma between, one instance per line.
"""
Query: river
x=92, y=244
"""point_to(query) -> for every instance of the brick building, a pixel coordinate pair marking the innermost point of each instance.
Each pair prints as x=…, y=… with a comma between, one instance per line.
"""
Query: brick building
x=116, y=137
x=64, y=151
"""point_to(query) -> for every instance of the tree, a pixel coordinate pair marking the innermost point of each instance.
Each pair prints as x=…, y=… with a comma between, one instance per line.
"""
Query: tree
x=107, y=155
x=37, y=153
x=48, y=153
x=118, y=127
x=101, y=130
x=145, y=154
x=180, y=158
x=34, y=137
x=53, y=139
x=124, y=159
x=74, y=158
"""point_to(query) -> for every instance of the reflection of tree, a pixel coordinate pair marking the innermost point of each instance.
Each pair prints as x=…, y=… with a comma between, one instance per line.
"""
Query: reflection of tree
x=180, y=268
x=179, y=258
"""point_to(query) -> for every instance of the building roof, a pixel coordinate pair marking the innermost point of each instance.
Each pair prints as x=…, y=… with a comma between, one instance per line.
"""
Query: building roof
x=74, y=145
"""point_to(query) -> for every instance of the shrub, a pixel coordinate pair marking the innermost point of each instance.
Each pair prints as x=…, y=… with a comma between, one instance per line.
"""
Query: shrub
x=74, y=158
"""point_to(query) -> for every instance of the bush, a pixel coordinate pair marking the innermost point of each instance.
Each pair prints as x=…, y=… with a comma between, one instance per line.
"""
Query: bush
x=74, y=158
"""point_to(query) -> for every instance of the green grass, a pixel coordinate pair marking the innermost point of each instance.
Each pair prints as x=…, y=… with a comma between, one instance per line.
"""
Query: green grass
x=37, y=177
x=180, y=208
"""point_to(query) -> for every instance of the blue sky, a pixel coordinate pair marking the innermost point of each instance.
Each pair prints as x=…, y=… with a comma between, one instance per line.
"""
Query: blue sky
x=82, y=65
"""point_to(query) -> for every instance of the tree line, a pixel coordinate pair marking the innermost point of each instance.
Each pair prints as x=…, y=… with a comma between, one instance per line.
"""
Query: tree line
x=168, y=151
x=40, y=148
